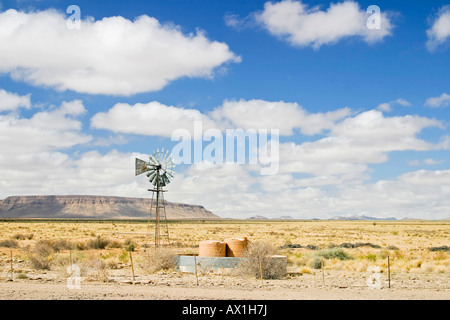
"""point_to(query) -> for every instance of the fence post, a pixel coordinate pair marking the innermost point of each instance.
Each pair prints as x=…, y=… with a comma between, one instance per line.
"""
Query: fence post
x=389, y=273
x=132, y=268
x=195, y=268
x=323, y=270
x=12, y=269
x=260, y=269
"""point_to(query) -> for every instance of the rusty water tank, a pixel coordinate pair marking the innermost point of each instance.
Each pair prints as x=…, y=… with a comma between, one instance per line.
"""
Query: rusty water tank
x=236, y=246
x=212, y=248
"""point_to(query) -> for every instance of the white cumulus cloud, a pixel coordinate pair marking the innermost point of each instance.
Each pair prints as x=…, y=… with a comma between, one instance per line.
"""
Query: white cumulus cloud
x=442, y=101
x=11, y=101
x=303, y=26
x=113, y=56
x=47, y=130
x=151, y=119
x=439, y=31
x=283, y=116
x=157, y=119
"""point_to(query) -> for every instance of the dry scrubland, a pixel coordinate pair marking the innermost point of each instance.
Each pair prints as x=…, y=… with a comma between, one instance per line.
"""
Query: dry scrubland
x=348, y=251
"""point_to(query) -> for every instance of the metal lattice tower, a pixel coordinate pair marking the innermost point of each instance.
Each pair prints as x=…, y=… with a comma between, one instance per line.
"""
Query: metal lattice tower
x=159, y=170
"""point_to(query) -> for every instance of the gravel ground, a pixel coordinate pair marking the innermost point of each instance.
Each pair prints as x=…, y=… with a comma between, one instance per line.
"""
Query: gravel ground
x=178, y=286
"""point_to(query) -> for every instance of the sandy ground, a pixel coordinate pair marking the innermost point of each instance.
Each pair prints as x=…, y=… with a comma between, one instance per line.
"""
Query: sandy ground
x=177, y=286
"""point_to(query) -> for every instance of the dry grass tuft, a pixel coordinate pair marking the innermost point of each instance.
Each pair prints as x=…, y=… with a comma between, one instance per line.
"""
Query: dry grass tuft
x=158, y=260
x=257, y=261
x=41, y=255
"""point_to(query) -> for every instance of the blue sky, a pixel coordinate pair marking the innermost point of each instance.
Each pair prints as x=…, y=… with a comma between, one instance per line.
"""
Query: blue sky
x=363, y=114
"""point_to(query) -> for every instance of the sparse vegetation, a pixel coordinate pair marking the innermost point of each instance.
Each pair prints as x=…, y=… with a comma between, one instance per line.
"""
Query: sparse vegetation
x=317, y=262
x=130, y=244
x=95, y=268
x=98, y=243
x=9, y=243
x=334, y=253
x=41, y=255
x=258, y=261
x=20, y=236
x=158, y=260
x=441, y=248
x=46, y=244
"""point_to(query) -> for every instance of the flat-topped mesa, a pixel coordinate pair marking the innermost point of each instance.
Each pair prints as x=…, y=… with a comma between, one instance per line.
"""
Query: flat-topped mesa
x=94, y=207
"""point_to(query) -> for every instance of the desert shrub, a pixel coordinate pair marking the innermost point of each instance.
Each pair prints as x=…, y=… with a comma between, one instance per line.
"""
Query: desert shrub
x=317, y=262
x=124, y=256
x=440, y=255
x=20, y=236
x=391, y=247
x=22, y=275
x=129, y=244
x=355, y=245
x=334, y=253
x=62, y=244
x=366, y=244
x=112, y=262
x=95, y=269
x=40, y=256
x=371, y=257
x=98, y=243
x=9, y=243
x=257, y=261
x=441, y=248
x=114, y=244
x=291, y=246
x=80, y=245
x=159, y=259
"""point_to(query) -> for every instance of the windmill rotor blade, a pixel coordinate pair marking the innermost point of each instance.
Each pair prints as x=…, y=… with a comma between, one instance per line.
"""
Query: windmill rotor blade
x=169, y=170
x=165, y=179
x=156, y=157
x=151, y=176
x=170, y=165
x=152, y=160
x=151, y=172
x=154, y=179
x=166, y=155
x=169, y=174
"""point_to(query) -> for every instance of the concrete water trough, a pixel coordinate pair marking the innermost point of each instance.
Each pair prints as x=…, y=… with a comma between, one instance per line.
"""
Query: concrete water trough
x=207, y=264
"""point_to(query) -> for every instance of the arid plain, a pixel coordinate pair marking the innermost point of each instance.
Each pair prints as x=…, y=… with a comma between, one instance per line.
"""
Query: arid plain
x=371, y=260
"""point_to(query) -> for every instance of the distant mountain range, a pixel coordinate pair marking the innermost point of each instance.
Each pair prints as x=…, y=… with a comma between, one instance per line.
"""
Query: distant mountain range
x=258, y=217
x=359, y=218
x=94, y=207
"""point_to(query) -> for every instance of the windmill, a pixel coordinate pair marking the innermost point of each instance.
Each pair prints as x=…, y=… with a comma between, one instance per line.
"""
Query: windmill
x=159, y=170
